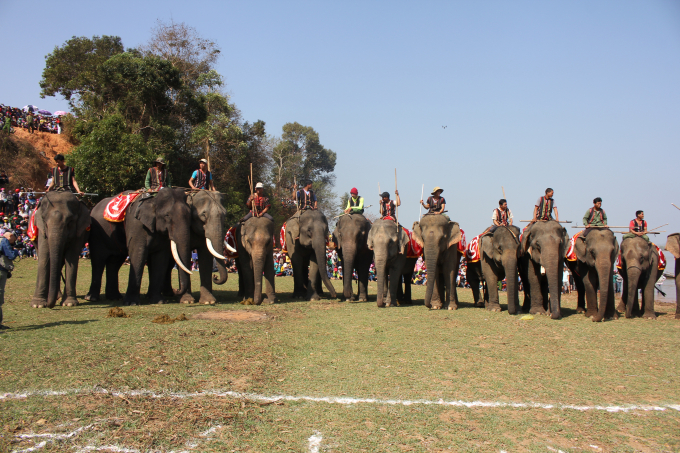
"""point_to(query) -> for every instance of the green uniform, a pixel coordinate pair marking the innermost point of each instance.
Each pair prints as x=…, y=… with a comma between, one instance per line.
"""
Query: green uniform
x=599, y=218
x=355, y=205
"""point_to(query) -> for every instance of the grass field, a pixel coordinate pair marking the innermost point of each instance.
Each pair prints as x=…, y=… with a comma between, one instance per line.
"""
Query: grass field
x=341, y=351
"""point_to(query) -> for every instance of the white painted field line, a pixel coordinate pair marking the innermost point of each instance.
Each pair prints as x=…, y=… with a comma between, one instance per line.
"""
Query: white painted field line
x=338, y=400
x=315, y=442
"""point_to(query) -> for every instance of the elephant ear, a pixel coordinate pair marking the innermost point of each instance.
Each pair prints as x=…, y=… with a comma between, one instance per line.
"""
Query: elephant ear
x=564, y=245
x=486, y=246
x=526, y=241
x=616, y=249
x=403, y=241
x=337, y=238
x=673, y=244
x=369, y=239
x=146, y=213
x=84, y=220
x=293, y=227
x=39, y=220
x=581, y=252
x=653, y=258
x=417, y=234
x=454, y=233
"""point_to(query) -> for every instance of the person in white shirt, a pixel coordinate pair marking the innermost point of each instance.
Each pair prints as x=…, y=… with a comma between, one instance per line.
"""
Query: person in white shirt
x=502, y=216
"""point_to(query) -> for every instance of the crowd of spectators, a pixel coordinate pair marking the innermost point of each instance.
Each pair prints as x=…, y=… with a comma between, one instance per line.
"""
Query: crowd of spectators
x=15, y=206
x=30, y=119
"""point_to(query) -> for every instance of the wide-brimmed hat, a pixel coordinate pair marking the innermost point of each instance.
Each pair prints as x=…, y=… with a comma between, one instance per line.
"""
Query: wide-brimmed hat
x=159, y=160
x=205, y=161
x=259, y=185
x=437, y=188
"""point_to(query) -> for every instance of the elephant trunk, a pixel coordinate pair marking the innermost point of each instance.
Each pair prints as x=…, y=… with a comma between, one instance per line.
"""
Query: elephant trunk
x=633, y=277
x=381, y=276
x=604, y=275
x=320, y=250
x=431, y=257
x=348, y=255
x=259, y=258
x=222, y=269
x=56, y=244
x=510, y=267
x=554, y=275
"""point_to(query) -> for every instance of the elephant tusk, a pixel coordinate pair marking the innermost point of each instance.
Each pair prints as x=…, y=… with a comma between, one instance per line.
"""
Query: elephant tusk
x=229, y=247
x=212, y=249
x=175, y=255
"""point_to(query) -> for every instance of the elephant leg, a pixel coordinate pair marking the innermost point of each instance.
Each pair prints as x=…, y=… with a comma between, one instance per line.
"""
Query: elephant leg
x=590, y=284
x=408, y=299
x=677, y=288
x=474, y=281
x=394, y=281
x=364, y=267
x=41, y=285
x=71, y=257
x=491, y=280
x=205, y=268
x=269, y=277
x=581, y=293
x=312, y=293
x=451, y=270
x=299, y=264
x=533, y=275
x=246, y=268
x=98, y=265
x=138, y=258
x=648, y=296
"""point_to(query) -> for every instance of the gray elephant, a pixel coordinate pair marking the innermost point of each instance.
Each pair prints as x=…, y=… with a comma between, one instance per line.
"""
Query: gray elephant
x=673, y=246
x=254, y=240
x=499, y=254
x=350, y=238
x=439, y=238
x=544, y=244
x=389, y=243
x=306, y=234
x=639, y=270
x=207, y=237
x=62, y=221
x=593, y=270
x=156, y=230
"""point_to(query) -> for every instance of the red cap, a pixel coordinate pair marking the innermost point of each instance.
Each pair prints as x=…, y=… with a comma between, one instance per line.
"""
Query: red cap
x=17, y=190
x=354, y=191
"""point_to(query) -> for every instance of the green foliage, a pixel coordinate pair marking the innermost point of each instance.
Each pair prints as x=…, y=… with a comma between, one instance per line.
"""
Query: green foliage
x=110, y=159
x=73, y=69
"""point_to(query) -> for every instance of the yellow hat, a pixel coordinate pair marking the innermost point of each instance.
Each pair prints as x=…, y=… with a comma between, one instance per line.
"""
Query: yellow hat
x=434, y=191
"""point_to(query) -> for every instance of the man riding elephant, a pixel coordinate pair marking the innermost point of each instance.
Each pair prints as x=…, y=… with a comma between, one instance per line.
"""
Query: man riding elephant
x=157, y=177
x=436, y=204
x=63, y=177
x=637, y=227
x=258, y=204
x=202, y=178
x=388, y=208
x=355, y=203
x=594, y=217
x=306, y=198
x=545, y=206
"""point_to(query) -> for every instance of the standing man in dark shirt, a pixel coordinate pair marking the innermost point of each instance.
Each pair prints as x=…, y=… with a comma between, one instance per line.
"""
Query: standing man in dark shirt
x=6, y=267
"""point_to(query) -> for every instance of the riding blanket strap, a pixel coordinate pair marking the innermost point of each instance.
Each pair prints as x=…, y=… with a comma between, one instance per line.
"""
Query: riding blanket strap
x=388, y=208
x=640, y=227
x=501, y=216
x=592, y=215
x=202, y=179
x=545, y=208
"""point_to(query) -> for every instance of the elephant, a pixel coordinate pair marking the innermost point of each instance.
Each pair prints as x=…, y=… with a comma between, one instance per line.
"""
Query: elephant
x=673, y=246
x=499, y=255
x=155, y=229
x=207, y=236
x=639, y=270
x=544, y=244
x=256, y=257
x=389, y=243
x=306, y=234
x=593, y=270
x=439, y=236
x=62, y=221
x=350, y=238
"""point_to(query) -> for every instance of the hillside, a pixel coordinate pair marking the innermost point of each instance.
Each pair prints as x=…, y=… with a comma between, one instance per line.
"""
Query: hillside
x=27, y=158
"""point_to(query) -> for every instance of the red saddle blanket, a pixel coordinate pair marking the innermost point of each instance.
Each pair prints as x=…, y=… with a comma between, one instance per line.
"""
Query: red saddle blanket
x=230, y=239
x=571, y=252
x=282, y=237
x=32, y=230
x=662, y=259
x=413, y=250
x=472, y=254
x=115, y=210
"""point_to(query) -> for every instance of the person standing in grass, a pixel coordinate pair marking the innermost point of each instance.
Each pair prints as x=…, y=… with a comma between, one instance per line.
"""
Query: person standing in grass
x=6, y=266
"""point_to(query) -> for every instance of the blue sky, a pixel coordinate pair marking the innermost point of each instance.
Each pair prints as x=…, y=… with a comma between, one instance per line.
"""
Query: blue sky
x=580, y=96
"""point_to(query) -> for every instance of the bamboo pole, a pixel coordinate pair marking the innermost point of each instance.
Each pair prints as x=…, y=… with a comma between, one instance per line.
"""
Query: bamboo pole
x=252, y=204
x=607, y=226
x=503, y=191
x=561, y=221
x=422, y=192
x=395, y=195
x=675, y=206
x=658, y=227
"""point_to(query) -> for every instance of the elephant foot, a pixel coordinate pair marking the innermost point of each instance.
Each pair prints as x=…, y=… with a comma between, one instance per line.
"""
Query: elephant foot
x=621, y=307
x=649, y=316
x=677, y=316
x=91, y=298
x=479, y=304
x=207, y=301
x=131, y=301
x=363, y=299
x=453, y=307
x=39, y=303
x=436, y=307
x=315, y=298
x=186, y=299
x=590, y=314
x=70, y=302
x=269, y=300
x=380, y=304
x=537, y=311
x=494, y=308
x=114, y=296
x=388, y=304
x=582, y=310
x=556, y=315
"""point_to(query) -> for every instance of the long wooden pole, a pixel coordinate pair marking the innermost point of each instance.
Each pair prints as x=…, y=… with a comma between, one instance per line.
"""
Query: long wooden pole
x=503, y=191
x=561, y=221
x=657, y=227
x=252, y=204
x=675, y=206
x=422, y=192
x=601, y=226
x=395, y=194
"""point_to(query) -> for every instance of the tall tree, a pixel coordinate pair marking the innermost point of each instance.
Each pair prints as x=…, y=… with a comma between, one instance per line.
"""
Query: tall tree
x=72, y=70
